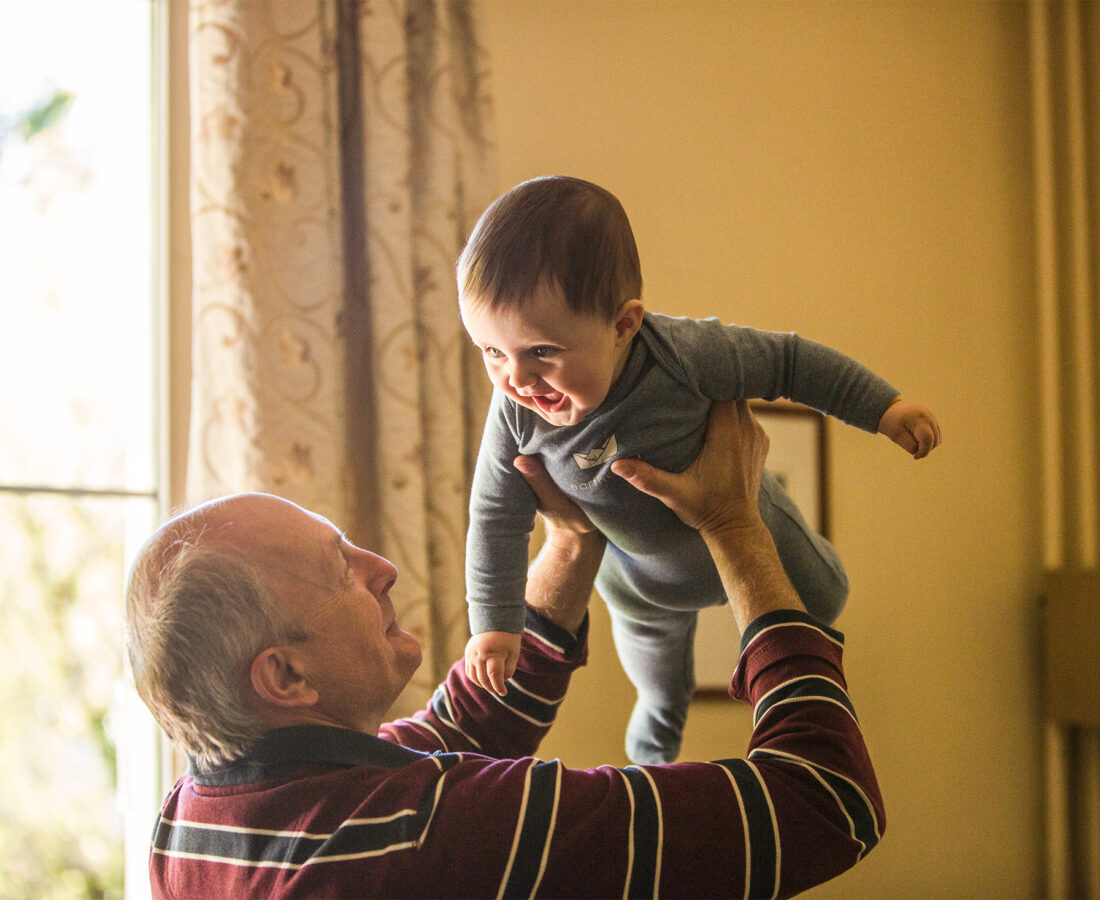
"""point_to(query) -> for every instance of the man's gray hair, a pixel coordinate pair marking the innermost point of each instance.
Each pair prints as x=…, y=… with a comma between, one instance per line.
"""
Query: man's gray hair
x=197, y=613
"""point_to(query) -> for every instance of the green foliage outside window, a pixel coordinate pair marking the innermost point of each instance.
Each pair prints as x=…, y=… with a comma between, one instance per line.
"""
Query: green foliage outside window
x=60, y=830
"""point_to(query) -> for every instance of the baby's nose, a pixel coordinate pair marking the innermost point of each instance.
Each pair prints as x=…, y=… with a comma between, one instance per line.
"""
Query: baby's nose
x=521, y=377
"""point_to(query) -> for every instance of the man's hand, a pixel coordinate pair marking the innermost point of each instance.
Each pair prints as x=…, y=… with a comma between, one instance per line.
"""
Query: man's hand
x=719, y=489
x=912, y=427
x=557, y=510
x=491, y=659
x=718, y=495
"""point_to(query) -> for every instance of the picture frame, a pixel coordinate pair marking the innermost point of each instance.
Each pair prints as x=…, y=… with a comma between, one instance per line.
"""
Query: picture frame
x=798, y=458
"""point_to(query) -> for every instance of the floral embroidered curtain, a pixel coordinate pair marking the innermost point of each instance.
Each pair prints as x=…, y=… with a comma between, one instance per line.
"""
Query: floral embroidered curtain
x=340, y=155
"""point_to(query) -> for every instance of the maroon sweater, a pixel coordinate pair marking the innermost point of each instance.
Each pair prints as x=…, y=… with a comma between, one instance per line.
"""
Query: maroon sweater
x=450, y=803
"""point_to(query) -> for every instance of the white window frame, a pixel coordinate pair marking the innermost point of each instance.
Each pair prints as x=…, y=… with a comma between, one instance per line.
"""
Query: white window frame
x=148, y=764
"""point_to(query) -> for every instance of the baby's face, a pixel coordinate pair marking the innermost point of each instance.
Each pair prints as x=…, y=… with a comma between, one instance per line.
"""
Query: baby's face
x=556, y=362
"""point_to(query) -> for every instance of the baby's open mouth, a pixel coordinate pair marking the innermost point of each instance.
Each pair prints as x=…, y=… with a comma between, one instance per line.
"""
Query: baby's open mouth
x=549, y=403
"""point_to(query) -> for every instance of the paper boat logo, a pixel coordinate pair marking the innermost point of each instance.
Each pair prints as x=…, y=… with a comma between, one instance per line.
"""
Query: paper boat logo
x=598, y=455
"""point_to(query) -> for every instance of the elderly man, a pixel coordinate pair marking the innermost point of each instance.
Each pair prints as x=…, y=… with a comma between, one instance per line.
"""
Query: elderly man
x=267, y=647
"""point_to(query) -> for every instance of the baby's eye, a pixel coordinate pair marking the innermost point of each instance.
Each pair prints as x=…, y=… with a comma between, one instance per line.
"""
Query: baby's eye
x=492, y=352
x=543, y=352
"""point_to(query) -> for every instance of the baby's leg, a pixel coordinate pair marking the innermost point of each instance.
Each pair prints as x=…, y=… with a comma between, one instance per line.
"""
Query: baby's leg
x=810, y=561
x=657, y=655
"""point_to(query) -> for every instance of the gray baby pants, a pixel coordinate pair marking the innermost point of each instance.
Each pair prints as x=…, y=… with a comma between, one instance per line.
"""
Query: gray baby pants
x=656, y=645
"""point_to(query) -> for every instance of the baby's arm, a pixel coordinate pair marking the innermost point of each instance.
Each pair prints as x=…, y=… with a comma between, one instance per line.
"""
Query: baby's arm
x=502, y=514
x=912, y=427
x=769, y=364
x=491, y=659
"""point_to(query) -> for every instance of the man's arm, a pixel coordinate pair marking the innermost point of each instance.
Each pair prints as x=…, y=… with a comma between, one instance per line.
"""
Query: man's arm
x=559, y=581
x=462, y=716
x=800, y=809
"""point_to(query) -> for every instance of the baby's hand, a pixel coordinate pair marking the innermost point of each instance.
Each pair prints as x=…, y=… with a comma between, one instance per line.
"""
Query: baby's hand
x=491, y=658
x=912, y=427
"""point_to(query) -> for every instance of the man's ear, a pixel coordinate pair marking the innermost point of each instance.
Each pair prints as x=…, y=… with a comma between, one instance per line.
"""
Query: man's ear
x=278, y=676
x=628, y=319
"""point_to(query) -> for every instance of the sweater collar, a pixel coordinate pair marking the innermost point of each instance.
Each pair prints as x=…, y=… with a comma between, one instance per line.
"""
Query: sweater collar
x=283, y=751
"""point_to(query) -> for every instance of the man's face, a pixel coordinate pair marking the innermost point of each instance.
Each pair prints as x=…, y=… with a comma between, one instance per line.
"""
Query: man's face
x=355, y=655
x=548, y=358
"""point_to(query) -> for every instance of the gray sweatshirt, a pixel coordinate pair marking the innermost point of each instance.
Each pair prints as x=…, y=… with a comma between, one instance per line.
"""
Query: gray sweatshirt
x=656, y=411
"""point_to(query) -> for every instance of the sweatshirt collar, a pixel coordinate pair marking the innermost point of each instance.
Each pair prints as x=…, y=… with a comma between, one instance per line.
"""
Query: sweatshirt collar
x=283, y=751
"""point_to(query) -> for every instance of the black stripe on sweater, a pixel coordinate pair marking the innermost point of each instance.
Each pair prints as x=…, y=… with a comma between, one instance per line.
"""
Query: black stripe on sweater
x=864, y=824
x=285, y=850
x=292, y=850
x=647, y=835
x=525, y=704
x=809, y=687
x=760, y=836
x=535, y=832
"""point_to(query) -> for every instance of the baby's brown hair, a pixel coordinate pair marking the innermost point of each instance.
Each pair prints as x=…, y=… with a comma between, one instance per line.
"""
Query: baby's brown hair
x=561, y=230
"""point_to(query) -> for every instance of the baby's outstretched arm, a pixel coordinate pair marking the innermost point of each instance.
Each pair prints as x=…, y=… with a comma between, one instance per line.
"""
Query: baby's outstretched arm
x=491, y=658
x=912, y=427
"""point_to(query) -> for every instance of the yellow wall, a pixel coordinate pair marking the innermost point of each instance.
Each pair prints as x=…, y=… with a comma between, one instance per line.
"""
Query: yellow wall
x=858, y=172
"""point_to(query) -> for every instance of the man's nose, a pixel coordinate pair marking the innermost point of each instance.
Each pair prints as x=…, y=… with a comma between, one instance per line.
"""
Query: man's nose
x=384, y=570
x=377, y=572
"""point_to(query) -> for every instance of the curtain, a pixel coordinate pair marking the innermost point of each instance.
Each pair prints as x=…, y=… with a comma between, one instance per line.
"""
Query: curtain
x=340, y=156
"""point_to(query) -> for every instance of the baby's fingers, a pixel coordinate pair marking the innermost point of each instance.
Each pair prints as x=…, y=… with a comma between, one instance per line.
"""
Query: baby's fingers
x=924, y=440
x=475, y=671
x=495, y=675
x=926, y=436
x=906, y=441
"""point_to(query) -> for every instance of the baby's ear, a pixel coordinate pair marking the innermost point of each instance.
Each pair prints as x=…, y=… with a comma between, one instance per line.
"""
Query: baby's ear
x=628, y=320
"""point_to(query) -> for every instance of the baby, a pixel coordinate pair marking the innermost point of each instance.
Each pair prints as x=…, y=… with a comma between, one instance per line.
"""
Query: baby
x=550, y=292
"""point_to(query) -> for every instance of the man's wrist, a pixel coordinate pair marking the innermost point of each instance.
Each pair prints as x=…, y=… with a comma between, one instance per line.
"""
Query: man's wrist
x=559, y=583
x=573, y=545
x=751, y=572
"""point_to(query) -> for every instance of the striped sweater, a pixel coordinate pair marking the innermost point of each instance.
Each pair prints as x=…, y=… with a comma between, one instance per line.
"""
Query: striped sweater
x=451, y=803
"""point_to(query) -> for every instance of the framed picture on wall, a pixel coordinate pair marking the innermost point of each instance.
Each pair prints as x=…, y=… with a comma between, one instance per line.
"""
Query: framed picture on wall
x=798, y=459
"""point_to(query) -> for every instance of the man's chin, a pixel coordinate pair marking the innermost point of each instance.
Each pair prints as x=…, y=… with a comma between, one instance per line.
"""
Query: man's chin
x=412, y=652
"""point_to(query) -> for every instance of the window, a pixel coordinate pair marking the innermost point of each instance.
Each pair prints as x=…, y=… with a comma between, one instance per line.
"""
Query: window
x=79, y=480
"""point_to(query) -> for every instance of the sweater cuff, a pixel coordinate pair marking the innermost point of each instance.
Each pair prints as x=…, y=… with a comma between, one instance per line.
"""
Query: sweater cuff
x=555, y=640
x=778, y=637
x=496, y=618
x=784, y=617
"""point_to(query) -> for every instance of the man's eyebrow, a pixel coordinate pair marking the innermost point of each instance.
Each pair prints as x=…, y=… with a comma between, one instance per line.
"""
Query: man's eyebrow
x=338, y=541
x=342, y=542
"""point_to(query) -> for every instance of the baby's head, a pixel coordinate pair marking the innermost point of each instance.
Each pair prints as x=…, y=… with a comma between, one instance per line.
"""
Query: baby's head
x=550, y=290
x=558, y=231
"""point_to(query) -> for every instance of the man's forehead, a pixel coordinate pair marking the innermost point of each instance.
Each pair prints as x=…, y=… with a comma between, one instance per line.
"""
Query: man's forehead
x=256, y=512
x=281, y=537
